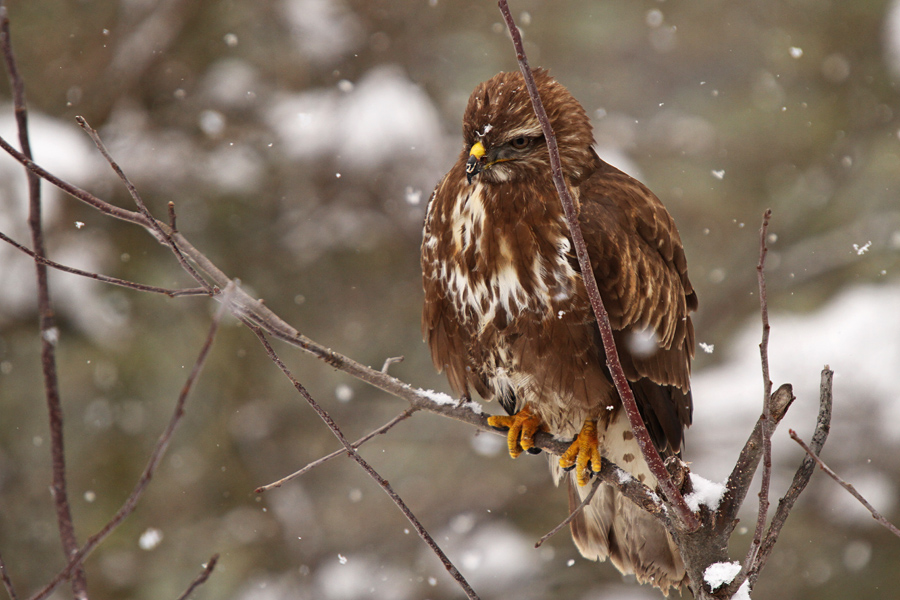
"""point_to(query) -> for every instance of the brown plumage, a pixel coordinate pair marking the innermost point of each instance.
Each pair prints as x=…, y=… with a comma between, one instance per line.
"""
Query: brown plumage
x=506, y=313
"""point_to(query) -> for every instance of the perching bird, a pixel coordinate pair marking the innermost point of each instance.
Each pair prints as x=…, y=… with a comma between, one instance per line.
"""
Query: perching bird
x=507, y=315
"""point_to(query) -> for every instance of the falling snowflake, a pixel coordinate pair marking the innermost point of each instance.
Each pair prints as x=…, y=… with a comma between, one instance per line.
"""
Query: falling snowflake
x=860, y=250
x=150, y=539
x=413, y=196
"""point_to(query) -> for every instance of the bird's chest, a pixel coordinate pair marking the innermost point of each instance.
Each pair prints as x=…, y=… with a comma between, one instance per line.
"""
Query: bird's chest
x=502, y=266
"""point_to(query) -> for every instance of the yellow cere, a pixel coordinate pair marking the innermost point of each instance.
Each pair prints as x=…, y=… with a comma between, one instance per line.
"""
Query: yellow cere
x=477, y=150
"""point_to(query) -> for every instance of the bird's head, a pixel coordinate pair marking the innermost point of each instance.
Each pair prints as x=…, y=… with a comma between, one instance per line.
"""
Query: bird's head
x=503, y=137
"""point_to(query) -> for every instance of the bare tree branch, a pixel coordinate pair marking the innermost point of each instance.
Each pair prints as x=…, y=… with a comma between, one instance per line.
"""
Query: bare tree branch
x=654, y=461
x=383, y=429
x=323, y=414
x=156, y=456
x=106, y=278
x=739, y=481
x=572, y=515
x=875, y=514
x=766, y=425
x=48, y=329
x=202, y=577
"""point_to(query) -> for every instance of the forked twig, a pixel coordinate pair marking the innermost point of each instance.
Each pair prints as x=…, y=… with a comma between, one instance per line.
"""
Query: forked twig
x=847, y=486
x=142, y=208
x=572, y=515
x=383, y=429
x=156, y=456
x=801, y=478
x=654, y=461
x=381, y=481
x=202, y=577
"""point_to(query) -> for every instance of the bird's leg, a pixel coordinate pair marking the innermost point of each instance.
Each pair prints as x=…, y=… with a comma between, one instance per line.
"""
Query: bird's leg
x=522, y=426
x=584, y=453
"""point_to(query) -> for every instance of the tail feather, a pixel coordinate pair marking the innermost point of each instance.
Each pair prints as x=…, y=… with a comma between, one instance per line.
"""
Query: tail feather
x=612, y=526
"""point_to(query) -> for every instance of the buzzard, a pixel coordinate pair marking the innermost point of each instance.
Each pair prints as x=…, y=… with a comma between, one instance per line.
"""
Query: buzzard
x=506, y=312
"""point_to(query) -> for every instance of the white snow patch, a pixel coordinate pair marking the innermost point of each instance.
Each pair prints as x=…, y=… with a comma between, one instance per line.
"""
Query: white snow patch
x=623, y=476
x=743, y=592
x=382, y=120
x=493, y=555
x=446, y=399
x=475, y=407
x=705, y=492
x=722, y=573
x=439, y=397
x=854, y=333
x=323, y=30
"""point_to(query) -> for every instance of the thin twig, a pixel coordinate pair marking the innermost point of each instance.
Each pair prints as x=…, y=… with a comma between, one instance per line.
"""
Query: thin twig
x=156, y=456
x=801, y=477
x=383, y=429
x=348, y=447
x=172, y=218
x=767, y=427
x=202, y=577
x=744, y=469
x=106, y=278
x=7, y=582
x=166, y=235
x=48, y=329
x=392, y=360
x=572, y=515
x=76, y=192
x=654, y=461
x=849, y=487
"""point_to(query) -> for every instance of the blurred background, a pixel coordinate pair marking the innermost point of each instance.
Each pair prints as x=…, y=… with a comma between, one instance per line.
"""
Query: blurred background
x=300, y=141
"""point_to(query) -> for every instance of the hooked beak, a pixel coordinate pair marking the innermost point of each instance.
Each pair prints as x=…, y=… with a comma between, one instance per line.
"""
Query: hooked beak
x=474, y=164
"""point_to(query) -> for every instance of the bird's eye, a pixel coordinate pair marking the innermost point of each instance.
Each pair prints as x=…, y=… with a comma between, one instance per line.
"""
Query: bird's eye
x=519, y=142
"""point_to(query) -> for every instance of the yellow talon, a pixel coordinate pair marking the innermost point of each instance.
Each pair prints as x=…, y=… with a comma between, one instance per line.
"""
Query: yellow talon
x=522, y=427
x=584, y=450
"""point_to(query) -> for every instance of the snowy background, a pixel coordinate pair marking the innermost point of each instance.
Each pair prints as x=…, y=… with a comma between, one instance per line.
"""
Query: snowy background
x=300, y=141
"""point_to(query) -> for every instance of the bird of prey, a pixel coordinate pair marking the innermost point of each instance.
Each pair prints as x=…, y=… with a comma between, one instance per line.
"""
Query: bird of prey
x=506, y=312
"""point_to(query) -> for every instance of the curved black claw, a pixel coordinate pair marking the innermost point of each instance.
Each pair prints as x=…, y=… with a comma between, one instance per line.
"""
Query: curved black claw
x=534, y=450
